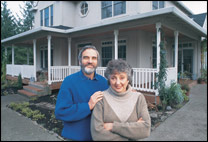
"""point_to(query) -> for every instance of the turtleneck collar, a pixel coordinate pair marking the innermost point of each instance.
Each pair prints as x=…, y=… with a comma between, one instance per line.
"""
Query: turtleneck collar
x=122, y=95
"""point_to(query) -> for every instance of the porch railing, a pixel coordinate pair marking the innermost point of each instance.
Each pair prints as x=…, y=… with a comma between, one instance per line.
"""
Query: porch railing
x=27, y=71
x=143, y=78
x=58, y=73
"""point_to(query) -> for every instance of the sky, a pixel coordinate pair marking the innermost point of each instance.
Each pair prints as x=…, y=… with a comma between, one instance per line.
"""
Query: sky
x=195, y=6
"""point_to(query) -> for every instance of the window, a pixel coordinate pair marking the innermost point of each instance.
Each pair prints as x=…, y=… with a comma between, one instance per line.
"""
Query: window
x=84, y=8
x=122, y=49
x=112, y=8
x=158, y=5
x=119, y=7
x=154, y=54
x=44, y=57
x=46, y=16
x=46, y=11
x=106, y=52
x=51, y=8
x=41, y=18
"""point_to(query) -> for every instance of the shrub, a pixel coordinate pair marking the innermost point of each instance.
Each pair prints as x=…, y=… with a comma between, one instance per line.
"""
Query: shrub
x=204, y=75
x=19, y=81
x=185, y=87
x=172, y=95
x=27, y=111
x=186, y=98
x=38, y=116
x=199, y=80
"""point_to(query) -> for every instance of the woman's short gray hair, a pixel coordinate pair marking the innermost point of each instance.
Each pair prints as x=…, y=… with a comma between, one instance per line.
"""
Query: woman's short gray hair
x=118, y=66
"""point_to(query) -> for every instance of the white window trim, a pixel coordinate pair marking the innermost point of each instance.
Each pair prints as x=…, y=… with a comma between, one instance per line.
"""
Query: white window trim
x=113, y=16
x=80, y=13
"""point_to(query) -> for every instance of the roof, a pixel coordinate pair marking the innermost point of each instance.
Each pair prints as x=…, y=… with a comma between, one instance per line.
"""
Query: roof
x=183, y=7
x=199, y=18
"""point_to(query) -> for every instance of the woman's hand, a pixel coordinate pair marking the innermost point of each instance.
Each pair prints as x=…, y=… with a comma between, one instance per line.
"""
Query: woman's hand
x=108, y=126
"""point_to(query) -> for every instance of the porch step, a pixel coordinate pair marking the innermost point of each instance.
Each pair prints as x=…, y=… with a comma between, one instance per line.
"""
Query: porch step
x=33, y=90
x=42, y=86
x=26, y=93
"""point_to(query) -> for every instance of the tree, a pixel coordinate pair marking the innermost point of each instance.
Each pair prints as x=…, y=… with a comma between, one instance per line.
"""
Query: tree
x=26, y=23
x=8, y=29
x=8, y=24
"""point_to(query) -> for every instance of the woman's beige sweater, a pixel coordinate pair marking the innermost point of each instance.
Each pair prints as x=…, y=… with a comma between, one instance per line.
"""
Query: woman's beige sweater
x=123, y=110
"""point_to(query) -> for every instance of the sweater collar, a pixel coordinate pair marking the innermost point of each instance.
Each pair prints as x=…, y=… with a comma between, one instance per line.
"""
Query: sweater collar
x=122, y=95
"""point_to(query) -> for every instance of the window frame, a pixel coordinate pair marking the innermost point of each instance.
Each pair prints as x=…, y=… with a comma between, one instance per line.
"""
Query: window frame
x=86, y=9
x=44, y=57
x=111, y=7
x=158, y=5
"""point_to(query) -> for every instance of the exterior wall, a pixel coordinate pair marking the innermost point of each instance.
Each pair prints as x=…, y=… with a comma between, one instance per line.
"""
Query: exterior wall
x=63, y=13
x=67, y=13
x=135, y=41
x=60, y=52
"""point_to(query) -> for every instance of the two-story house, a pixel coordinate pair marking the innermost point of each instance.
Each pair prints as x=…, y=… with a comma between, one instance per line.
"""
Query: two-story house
x=118, y=29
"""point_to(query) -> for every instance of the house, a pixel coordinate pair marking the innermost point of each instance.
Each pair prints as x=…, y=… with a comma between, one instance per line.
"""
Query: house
x=119, y=29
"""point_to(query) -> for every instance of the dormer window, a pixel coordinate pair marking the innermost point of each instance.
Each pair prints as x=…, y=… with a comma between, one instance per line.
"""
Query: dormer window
x=112, y=8
x=158, y=5
x=46, y=16
x=84, y=8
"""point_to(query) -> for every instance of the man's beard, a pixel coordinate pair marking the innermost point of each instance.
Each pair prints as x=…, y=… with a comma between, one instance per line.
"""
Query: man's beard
x=88, y=70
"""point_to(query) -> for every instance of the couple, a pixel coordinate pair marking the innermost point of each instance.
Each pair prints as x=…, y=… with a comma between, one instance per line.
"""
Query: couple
x=92, y=110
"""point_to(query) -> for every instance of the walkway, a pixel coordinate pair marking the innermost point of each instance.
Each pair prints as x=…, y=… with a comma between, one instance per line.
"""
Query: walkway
x=187, y=124
x=15, y=127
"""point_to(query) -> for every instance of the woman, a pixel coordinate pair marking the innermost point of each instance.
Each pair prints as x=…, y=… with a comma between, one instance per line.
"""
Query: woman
x=122, y=114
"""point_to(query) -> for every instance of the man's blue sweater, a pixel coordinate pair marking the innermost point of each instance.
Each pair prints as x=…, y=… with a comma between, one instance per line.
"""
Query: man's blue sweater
x=72, y=104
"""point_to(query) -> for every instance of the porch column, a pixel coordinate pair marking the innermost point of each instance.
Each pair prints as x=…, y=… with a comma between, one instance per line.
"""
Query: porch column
x=28, y=56
x=158, y=26
x=6, y=54
x=49, y=59
x=69, y=51
x=34, y=58
x=176, y=53
x=12, y=59
x=116, y=43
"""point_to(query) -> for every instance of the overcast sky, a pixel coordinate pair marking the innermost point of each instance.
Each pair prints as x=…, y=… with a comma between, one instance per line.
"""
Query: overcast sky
x=195, y=6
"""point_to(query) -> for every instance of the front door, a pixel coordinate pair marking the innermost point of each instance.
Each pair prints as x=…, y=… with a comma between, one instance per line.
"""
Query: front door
x=185, y=62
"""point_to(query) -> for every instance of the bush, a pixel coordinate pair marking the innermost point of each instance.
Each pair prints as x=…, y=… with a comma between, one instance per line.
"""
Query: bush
x=19, y=81
x=185, y=87
x=204, y=75
x=199, y=80
x=186, y=98
x=172, y=95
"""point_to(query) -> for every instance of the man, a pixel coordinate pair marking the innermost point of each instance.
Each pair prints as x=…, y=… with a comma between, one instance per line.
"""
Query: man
x=78, y=95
